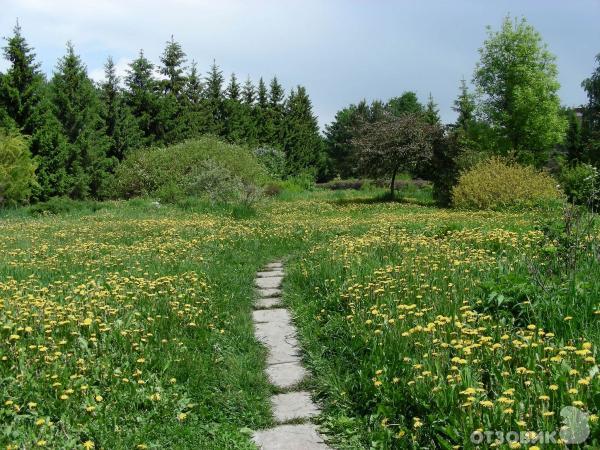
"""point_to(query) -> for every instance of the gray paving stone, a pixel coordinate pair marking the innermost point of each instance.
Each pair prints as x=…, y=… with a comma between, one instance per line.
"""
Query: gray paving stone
x=268, y=283
x=280, y=340
x=269, y=292
x=293, y=405
x=286, y=375
x=274, y=265
x=270, y=274
x=266, y=303
x=277, y=315
x=290, y=437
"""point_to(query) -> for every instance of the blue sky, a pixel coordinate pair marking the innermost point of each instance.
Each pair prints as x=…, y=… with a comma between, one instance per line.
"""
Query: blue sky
x=341, y=50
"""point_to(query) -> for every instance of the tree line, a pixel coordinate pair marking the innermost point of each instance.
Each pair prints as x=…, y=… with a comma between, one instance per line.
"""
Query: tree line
x=79, y=130
x=514, y=111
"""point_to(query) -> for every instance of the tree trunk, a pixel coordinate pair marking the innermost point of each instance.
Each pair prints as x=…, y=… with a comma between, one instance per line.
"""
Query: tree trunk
x=393, y=184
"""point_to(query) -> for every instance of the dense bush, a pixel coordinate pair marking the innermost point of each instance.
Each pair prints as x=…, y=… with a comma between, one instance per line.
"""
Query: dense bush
x=273, y=160
x=205, y=167
x=17, y=169
x=498, y=184
x=581, y=183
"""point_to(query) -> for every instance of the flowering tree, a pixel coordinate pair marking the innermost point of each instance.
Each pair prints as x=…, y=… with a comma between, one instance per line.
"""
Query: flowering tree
x=392, y=144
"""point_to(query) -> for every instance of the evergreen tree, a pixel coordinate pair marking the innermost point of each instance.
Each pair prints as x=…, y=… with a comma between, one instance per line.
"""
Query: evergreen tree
x=248, y=93
x=406, y=103
x=234, y=121
x=173, y=68
x=573, y=139
x=195, y=114
x=273, y=125
x=78, y=109
x=170, y=126
x=141, y=97
x=24, y=104
x=432, y=113
x=464, y=106
x=121, y=127
x=591, y=116
x=261, y=113
x=249, y=122
x=302, y=143
x=215, y=99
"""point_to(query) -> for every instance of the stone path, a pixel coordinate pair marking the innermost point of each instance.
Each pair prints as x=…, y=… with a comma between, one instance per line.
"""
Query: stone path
x=274, y=328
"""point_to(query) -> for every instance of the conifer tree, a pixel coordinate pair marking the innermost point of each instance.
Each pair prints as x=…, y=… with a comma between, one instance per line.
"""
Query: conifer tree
x=173, y=68
x=432, y=113
x=591, y=116
x=275, y=113
x=24, y=100
x=249, y=122
x=261, y=113
x=234, y=121
x=77, y=107
x=141, y=97
x=573, y=139
x=464, y=106
x=215, y=99
x=121, y=127
x=302, y=143
x=195, y=114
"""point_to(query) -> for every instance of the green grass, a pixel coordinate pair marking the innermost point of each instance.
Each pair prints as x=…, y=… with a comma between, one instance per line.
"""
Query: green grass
x=105, y=295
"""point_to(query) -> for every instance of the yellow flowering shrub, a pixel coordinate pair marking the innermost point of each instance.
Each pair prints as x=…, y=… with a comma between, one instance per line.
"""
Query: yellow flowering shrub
x=497, y=184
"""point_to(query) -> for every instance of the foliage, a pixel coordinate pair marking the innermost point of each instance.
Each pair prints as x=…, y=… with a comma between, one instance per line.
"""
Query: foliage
x=192, y=167
x=17, y=170
x=302, y=144
x=591, y=116
x=581, y=183
x=496, y=184
x=272, y=159
x=517, y=84
x=77, y=107
x=394, y=144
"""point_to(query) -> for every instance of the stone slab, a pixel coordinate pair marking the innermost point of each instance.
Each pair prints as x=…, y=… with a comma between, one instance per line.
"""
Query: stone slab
x=293, y=405
x=286, y=375
x=266, y=303
x=274, y=265
x=268, y=283
x=280, y=340
x=277, y=315
x=270, y=274
x=290, y=437
x=269, y=292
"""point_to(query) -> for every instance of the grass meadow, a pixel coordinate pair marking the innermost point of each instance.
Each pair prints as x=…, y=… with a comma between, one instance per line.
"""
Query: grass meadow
x=127, y=325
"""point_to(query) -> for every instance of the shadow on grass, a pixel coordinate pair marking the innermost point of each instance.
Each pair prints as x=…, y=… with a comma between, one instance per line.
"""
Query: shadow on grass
x=384, y=198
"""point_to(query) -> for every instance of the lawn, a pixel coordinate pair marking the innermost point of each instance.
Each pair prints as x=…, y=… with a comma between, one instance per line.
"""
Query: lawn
x=127, y=325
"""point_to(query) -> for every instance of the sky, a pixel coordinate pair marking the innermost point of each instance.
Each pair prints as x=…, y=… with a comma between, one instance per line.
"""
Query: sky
x=341, y=50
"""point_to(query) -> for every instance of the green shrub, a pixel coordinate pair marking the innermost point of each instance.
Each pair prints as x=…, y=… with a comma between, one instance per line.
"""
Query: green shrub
x=64, y=205
x=17, y=169
x=497, y=184
x=273, y=160
x=204, y=167
x=581, y=183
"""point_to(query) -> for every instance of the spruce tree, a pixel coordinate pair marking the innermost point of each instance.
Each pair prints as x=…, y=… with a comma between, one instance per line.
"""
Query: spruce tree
x=591, y=116
x=141, y=97
x=121, y=127
x=195, y=114
x=78, y=109
x=302, y=143
x=234, y=120
x=432, y=113
x=170, y=126
x=24, y=104
x=215, y=99
x=573, y=139
x=274, y=116
x=464, y=106
x=261, y=113
x=249, y=122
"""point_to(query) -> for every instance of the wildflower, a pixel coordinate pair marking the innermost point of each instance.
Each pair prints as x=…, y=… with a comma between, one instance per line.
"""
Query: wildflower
x=88, y=445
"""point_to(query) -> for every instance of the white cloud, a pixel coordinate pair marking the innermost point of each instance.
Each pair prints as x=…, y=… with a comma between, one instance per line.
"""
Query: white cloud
x=121, y=67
